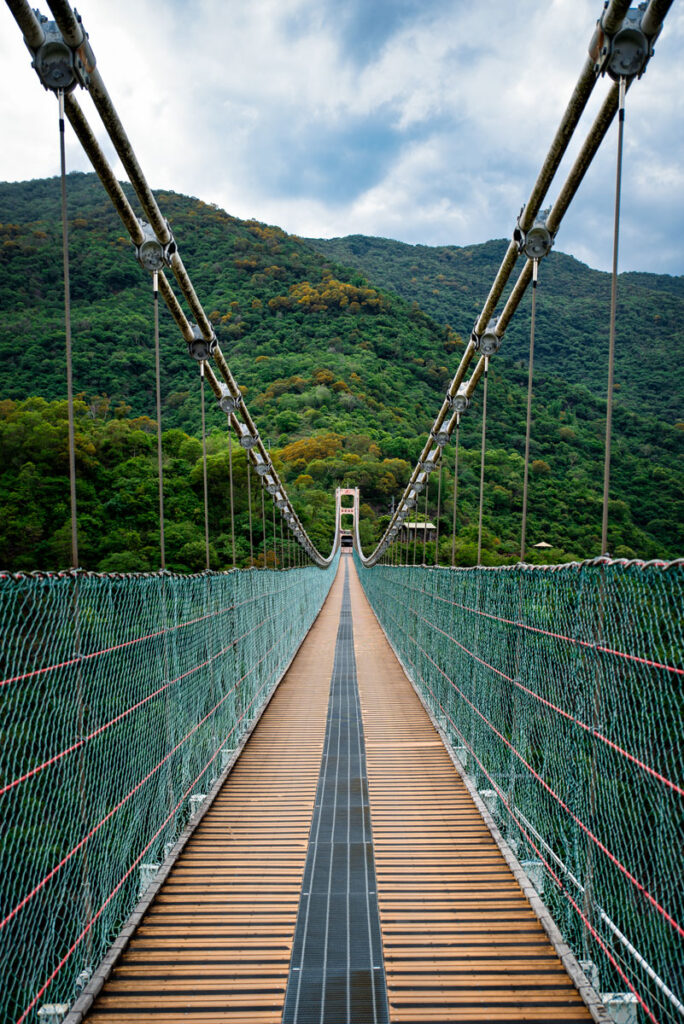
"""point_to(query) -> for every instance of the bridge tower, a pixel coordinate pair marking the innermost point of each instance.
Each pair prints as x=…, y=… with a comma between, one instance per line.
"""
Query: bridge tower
x=344, y=512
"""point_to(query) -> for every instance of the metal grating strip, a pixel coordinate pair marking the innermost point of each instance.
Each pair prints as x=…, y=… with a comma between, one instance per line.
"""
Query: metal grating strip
x=337, y=971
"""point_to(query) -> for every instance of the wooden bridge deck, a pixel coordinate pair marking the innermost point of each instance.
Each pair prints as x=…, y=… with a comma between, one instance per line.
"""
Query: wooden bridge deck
x=460, y=939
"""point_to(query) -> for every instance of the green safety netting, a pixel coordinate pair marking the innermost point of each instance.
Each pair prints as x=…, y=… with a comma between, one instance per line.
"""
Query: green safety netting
x=560, y=691
x=122, y=698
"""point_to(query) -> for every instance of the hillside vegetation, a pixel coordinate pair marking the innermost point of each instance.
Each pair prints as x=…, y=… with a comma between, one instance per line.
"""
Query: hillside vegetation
x=451, y=283
x=342, y=375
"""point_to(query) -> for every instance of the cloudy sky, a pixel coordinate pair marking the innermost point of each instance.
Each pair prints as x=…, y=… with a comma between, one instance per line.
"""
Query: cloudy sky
x=421, y=120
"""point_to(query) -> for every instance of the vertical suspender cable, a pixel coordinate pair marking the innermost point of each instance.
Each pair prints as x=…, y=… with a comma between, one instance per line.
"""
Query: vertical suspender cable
x=415, y=535
x=613, y=303
x=204, y=467
x=263, y=524
x=482, y=459
x=249, y=511
x=528, y=427
x=67, y=328
x=232, y=499
x=425, y=523
x=282, y=545
x=439, y=512
x=275, y=542
x=453, y=525
x=157, y=372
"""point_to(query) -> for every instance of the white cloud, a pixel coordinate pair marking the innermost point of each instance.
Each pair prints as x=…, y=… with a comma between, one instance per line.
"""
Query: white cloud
x=276, y=109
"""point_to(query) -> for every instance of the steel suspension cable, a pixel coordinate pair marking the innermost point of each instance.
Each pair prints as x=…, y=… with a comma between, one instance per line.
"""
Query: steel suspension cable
x=263, y=523
x=453, y=524
x=67, y=331
x=275, y=540
x=74, y=35
x=613, y=304
x=611, y=20
x=528, y=426
x=157, y=374
x=204, y=468
x=482, y=459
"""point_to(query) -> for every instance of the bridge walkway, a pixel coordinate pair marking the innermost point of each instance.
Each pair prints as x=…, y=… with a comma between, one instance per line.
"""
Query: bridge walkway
x=226, y=938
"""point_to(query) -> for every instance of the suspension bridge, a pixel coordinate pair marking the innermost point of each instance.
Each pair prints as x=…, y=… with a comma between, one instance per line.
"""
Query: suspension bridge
x=356, y=787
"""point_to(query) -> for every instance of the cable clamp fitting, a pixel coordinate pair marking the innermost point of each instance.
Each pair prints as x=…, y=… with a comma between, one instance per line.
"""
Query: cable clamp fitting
x=538, y=241
x=460, y=401
x=248, y=439
x=489, y=342
x=59, y=66
x=201, y=348
x=152, y=254
x=228, y=402
x=440, y=437
x=626, y=53
x=432, y=461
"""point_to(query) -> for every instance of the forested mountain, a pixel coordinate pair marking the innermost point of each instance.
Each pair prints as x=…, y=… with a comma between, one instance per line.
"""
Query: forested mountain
x=450, y=283
x=342, y=376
